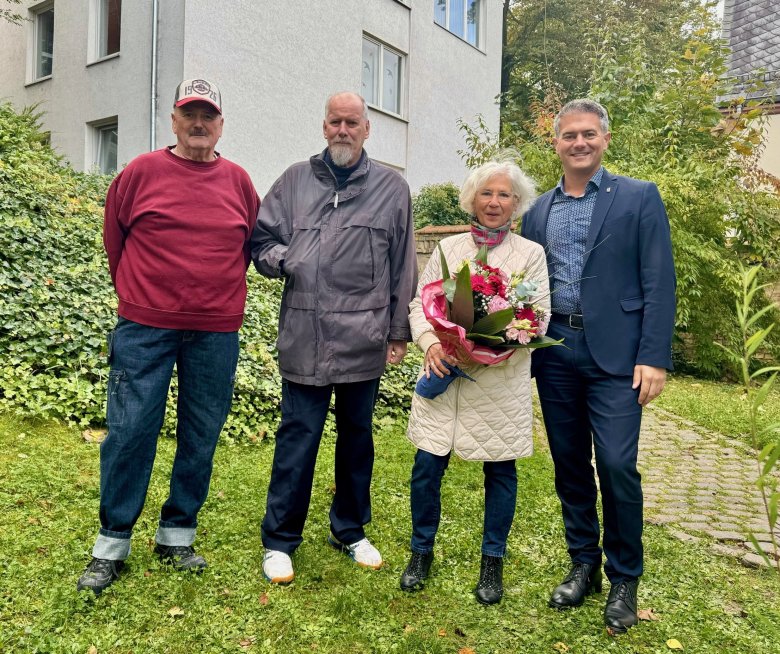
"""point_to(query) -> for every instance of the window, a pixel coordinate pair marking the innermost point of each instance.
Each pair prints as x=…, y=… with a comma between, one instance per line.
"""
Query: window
x=381, y=76
x=109, y=23
x=42, y=23
x=461, y=17
x=102, y=154
x=105, y=23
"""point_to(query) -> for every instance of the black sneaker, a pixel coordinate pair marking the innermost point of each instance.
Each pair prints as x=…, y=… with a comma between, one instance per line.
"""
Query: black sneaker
x=99, y=575
x=181, y=557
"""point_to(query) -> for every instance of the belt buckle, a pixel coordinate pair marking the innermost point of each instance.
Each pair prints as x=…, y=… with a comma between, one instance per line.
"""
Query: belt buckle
x=579, y=324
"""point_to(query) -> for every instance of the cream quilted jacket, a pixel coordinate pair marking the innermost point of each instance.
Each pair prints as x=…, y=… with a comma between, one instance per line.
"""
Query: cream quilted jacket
x=490, y=419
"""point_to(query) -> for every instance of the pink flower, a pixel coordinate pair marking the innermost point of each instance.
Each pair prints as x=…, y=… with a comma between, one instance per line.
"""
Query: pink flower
x=480, y=285
x=524, y=337
x=496, y=304
x=512, y=334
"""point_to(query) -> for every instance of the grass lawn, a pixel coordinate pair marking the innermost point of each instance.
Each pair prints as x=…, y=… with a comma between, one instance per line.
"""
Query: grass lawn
x=49, y=500
x=718, y=406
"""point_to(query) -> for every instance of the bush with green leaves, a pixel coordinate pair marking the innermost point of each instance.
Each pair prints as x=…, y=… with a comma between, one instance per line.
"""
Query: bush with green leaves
x=437, y=204
x=57, y=303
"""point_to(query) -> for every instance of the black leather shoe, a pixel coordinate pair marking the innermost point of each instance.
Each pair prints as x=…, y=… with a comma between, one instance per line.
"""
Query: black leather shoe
x=416, y=571
x=583, y=579
x=490, y=588
x=620, y=611
x=181, y=557
x=99, y=575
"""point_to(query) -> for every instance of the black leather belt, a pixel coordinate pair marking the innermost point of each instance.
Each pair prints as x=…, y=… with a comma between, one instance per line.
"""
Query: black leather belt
x=573, y=320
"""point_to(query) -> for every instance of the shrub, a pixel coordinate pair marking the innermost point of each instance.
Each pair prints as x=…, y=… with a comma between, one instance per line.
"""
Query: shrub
x=437, y=204
x=57, y=302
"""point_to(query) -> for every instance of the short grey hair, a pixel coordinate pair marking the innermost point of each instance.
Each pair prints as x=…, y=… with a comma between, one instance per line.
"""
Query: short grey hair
x=523, y=187
x=352, y=93
x=582, y=106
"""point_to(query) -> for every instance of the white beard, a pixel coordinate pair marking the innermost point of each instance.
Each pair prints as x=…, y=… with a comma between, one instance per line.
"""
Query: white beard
x=341, y=153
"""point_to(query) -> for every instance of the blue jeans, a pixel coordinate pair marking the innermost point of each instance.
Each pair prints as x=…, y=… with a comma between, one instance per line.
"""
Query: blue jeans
x=142, y=360
x=500, y=499
x=304, y=409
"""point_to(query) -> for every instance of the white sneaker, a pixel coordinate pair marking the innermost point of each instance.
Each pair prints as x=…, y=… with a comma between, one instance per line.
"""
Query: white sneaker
x=277, y=567
x=363, y=552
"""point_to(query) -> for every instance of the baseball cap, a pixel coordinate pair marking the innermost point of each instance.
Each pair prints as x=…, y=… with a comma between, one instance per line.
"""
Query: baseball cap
x=191, y=90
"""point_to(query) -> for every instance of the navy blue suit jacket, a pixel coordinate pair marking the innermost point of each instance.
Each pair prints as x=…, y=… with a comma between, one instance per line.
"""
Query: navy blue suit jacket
x=628, y=282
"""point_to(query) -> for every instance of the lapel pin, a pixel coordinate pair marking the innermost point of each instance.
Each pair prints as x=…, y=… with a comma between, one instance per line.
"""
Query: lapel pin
x=609, y=188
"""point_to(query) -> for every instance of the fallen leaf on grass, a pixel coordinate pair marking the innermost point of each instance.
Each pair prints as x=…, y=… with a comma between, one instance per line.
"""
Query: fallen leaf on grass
x=264, y=599
x=561, y=647
x=442, y=633
x=94, y=435
x=408, y=628
x=175, y=612
x=246, y=643
x=460, y=632
x=23, y=456
x=92, y=650
x=228, y=610
x=466, y=650
x=647, y=614
x=221, y=495
x=673, y=643
x=147, y=573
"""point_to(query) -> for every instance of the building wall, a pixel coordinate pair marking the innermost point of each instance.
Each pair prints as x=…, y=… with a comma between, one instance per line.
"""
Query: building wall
x=276, y=62
x=770, y=157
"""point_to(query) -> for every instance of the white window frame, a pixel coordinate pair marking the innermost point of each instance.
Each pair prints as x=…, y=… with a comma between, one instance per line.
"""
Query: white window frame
x=33, y=33
x=97, y=21
x=479, y=40
x=380, y=91
x=94, y=142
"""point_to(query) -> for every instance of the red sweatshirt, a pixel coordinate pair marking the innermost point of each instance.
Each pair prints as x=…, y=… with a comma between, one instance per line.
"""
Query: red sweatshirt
x=177, y=237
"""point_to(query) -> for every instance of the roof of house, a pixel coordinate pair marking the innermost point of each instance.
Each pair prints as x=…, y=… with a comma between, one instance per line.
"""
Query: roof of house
x=752, y=29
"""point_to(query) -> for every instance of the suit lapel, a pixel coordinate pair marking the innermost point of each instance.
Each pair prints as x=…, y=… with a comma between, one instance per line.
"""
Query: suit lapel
x=544, y=214
x=607, y=192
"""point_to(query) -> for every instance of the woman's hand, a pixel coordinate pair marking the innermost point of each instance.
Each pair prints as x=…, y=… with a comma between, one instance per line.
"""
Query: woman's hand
x=435, y=359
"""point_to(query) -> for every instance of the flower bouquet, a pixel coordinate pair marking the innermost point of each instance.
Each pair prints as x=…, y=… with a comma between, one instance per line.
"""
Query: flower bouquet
x=482, y=315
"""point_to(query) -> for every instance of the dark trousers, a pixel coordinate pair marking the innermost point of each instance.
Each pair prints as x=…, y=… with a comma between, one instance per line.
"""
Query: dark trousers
x=586, y=409
x=500, y=499
x=142, y=361
x=304, y=410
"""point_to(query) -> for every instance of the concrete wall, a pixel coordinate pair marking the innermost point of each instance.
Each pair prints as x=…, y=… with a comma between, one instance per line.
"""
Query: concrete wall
x=276, y=62
x=770, y=158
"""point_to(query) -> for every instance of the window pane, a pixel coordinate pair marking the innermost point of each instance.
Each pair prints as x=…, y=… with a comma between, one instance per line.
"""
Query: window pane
x=440, y=12
x=391, y=82
x=472, y=22
x=370, y=75
x=44, y=30
x=457, y=17
x=110, y=23
x=107, y=146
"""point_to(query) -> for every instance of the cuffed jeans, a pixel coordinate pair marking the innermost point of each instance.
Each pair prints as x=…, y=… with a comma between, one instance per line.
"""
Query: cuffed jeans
x=304, y=410
x=500, y=499
x=142, y=360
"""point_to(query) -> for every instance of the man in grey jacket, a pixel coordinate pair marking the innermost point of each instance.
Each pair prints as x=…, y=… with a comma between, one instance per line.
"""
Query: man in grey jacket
x=339, y=229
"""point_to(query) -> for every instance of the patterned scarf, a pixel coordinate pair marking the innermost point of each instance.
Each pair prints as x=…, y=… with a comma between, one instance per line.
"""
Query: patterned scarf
x=491, y=237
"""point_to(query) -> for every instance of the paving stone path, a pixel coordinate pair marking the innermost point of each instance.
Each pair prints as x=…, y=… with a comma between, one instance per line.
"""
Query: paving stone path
x=702, y=483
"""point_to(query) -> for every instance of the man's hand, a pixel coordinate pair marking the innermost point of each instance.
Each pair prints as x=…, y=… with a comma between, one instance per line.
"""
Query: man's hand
x=650, y=381
x=396, y=351
x=434, y=360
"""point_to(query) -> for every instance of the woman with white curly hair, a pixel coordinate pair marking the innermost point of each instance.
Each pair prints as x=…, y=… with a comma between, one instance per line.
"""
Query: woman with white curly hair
x=488, y=419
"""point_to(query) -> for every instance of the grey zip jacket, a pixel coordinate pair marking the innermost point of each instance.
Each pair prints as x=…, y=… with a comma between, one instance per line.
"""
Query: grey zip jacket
x=349, y=264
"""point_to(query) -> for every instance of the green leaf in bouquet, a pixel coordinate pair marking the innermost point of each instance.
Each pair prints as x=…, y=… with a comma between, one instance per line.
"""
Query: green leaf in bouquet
x=448, y=286
x=445, y=269
x=485, y=339
x=482, y=255
x=494, y=322
x=544, y=341
x=463, y=301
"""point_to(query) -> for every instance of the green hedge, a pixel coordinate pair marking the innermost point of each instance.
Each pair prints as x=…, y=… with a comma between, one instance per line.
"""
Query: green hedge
x=437, y=204
x=57, y=303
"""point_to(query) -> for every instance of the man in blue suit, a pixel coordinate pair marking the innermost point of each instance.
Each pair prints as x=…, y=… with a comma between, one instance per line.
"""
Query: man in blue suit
x=609, y=255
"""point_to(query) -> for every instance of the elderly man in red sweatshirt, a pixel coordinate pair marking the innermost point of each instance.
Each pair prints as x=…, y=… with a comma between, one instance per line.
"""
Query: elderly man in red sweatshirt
x=176, y=231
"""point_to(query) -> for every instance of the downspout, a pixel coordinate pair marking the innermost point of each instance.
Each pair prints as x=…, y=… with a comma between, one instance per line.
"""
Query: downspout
x=153, y=94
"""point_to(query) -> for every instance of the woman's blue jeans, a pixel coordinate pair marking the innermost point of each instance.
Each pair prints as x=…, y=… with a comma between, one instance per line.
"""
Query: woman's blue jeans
x=500, y=499
x=142, y=360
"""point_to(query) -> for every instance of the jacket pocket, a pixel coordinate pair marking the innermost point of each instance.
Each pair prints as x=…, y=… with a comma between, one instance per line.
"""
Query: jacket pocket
x=632, y=303
x=360, y=255
x=297, y=342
